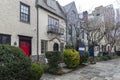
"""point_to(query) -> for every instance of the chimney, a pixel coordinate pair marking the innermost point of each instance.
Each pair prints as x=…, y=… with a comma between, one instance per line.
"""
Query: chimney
x=85, y=16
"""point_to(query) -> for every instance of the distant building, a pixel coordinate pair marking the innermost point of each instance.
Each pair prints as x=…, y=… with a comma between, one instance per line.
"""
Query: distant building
x=117, y=47
x=107, y=15
x=72, y=21
x=117, y=15
x=83, y=21
x=85, y=16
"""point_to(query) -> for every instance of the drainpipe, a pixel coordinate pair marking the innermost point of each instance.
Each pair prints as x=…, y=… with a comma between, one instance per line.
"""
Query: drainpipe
x=37, y=30
x=66, y=29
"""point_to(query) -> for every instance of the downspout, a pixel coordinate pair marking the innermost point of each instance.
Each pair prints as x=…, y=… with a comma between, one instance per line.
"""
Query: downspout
x=37, y=30
x=66, y=29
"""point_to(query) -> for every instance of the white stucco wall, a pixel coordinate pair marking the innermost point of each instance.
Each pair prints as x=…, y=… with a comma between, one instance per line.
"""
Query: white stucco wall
x=43, y=27
x=10, y=21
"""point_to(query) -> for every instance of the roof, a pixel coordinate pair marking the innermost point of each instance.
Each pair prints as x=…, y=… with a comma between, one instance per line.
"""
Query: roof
x=69, y=6
x=57, y=10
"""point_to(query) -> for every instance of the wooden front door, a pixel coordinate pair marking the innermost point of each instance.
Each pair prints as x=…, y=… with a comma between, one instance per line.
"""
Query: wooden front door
x=25, y=46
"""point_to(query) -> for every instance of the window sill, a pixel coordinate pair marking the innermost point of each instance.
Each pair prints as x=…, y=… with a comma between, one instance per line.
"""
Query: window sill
x=24, y=22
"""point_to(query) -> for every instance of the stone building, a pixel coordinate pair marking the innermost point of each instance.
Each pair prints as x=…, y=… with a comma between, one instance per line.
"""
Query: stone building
x=18, y=22
x=52, y=26
x=72, y=22
x=36, y=26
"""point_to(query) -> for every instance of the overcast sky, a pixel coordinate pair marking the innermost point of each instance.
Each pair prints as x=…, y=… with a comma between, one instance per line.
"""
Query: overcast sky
x=89, y=5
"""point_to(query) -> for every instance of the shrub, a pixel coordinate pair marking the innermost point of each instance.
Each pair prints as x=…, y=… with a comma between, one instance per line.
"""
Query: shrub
x=54, y=58
x=109, y=56
x=14, y=65
x=85, y=58
x=37, y=72
x=104, y=58
x=68, y=46
x=45, y=67
x=100, y=54
x=71, y=58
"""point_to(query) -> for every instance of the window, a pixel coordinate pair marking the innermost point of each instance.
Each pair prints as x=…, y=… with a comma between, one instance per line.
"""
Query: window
x=97, y=14
x=108, y=48
x=43, y=46
x=115, y=48
x=73, y=14
x=83, y=34
x=61, y=46
x=70, y=29
x=5, y=39
x=53, y=21
x=103, y=48
x=24, y=13
x=99, y=48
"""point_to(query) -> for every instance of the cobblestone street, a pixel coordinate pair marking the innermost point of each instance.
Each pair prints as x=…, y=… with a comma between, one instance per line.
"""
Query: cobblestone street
x=106, y=70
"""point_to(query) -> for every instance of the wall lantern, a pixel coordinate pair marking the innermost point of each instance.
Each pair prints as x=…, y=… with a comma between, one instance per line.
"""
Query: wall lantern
x=15, y=43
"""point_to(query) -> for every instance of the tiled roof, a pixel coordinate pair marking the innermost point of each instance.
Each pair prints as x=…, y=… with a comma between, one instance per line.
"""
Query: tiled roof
x=57, y=10
x=68, y=7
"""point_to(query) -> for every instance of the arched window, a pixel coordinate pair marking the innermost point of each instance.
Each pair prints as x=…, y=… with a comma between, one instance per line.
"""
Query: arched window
x=56, y=47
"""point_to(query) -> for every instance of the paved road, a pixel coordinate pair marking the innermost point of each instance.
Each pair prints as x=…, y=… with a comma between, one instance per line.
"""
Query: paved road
x=106, y=70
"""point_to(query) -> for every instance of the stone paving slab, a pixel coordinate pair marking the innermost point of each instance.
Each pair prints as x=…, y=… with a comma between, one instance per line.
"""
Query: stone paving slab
x=106, y=70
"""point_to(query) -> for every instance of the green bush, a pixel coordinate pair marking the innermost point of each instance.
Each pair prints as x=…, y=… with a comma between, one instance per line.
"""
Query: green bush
x=71, y=58
x=37, y=72
x=100, y=54
x=109, y=56
x=54, y=58
x=104, y=58
x=45, y=67
x=68, y=46
x=85, y=58
x=14, y=65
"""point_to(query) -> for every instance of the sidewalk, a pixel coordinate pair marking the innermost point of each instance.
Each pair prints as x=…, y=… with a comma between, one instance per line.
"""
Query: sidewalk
x=105, y=70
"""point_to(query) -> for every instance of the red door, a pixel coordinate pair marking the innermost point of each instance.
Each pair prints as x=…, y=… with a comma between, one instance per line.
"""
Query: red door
x=25, y=46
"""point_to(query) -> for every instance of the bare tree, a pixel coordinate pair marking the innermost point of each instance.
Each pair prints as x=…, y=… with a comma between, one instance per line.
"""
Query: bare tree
x=94, y=29
x=113, y=36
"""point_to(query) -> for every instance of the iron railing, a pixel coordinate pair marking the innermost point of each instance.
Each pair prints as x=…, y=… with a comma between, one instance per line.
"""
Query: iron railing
x=55, y=30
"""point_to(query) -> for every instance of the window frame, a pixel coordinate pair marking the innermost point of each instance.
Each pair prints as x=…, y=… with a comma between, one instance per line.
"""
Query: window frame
x=52, y=20
x=28, y=15
x=6, y=35
x=83, y=35
x=45, y=45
